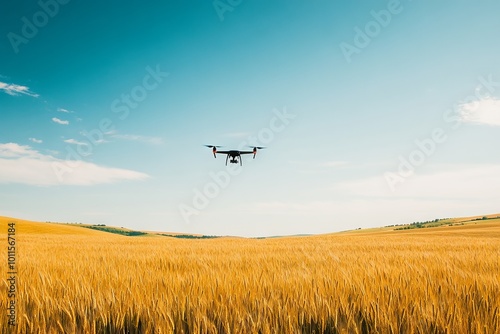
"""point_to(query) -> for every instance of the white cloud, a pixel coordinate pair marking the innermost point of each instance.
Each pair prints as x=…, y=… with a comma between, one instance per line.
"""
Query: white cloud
x=312, y=167
x=142, y=139
x=308, y=163
x=483, y=111
x=64, y=110
x=334, y=215
x=75, y=142
x=14, y=90
x=36, y=141
x=334, y=164
x=59, y=121
x=24, y=165
x=454, y=191
x=469, y=182
x=13, y=150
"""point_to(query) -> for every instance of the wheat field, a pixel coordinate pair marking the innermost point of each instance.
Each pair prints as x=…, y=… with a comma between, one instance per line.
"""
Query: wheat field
x=77, y=280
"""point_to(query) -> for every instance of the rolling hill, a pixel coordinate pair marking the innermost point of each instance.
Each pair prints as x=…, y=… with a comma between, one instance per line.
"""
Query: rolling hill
x=472, y=224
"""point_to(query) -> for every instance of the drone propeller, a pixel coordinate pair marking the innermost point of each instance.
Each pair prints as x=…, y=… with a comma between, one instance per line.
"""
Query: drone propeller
x=255, y=148
x=214, y=149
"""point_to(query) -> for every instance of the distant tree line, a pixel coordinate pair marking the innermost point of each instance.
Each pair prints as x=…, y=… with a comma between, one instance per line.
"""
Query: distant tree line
x=102, y=227
x=486, y=218
x=435, y=223
x=189, y=236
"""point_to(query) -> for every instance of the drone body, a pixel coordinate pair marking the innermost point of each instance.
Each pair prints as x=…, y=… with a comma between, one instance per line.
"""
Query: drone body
x=234, y=156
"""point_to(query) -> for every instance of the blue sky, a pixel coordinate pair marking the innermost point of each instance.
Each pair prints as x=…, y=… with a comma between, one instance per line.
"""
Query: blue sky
x=373, y=113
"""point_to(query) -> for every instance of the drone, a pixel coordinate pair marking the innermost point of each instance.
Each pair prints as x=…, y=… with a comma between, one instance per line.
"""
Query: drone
x=235, y=155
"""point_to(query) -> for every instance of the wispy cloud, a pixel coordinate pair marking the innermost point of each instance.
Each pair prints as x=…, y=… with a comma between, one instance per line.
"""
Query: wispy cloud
x=53, y=152
x=138, y=138
x=483, y=111
x=22, y=164
x=370, y=212
x=468, y=182
x=59, y=121
x=332, y=164
x=94, y=140
x=64, y=110
x=75, y=142
x=14, y=90
x=36, y=141
x=236, y=134
x=312, y=167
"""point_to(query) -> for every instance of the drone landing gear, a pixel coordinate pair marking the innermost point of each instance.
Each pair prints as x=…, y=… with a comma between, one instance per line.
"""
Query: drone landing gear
x=234, y=160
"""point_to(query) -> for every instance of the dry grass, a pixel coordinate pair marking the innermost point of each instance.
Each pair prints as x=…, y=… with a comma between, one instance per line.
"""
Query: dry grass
x=439, y=280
